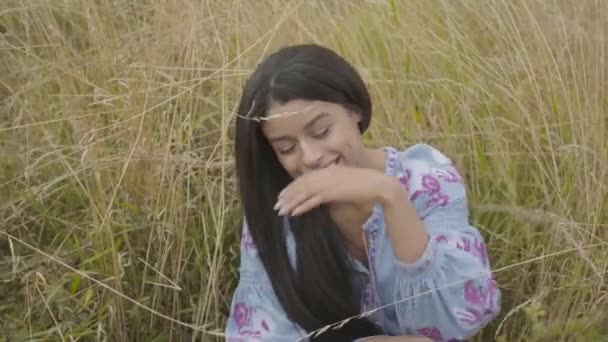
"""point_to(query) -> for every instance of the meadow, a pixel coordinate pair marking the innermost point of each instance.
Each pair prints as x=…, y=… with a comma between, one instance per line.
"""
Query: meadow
x=118, y=211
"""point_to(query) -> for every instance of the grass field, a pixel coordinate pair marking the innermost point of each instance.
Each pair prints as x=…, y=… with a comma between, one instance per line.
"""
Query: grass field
x=118, y=208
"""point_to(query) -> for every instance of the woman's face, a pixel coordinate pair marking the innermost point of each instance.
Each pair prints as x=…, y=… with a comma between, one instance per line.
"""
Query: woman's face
x=308, y=135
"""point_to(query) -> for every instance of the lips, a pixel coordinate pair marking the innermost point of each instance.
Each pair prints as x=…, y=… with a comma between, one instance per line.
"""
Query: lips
x=335, y=162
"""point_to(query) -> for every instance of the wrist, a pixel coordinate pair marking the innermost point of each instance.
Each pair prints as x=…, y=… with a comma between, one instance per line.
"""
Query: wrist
x=390, y=191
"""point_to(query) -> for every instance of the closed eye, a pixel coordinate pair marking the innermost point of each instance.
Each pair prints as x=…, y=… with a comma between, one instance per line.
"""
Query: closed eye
x=286, y=150
x=322, y=133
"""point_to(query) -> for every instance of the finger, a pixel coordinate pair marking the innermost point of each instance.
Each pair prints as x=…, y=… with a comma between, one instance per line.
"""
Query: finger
x=292, y=189
x=307, y=205
x=287, y=205
x=300, y=183
x=286, y=196
x=301, y=187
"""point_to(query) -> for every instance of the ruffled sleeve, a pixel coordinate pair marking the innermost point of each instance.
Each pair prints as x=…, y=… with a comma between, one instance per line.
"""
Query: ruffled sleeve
x=255, y=312
x=448, y=294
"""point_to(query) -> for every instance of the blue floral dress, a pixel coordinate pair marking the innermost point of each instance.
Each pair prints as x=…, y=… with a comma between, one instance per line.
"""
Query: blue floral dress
x=449, y=294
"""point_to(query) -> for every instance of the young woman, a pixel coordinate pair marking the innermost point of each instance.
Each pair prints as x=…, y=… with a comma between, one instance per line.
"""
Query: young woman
x=333, y=228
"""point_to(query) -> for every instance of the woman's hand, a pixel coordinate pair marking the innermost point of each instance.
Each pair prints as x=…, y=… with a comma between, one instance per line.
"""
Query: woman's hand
x=345, y=184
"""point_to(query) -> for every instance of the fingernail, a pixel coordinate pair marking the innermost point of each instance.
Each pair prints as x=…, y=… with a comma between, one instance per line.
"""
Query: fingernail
x=282, y=212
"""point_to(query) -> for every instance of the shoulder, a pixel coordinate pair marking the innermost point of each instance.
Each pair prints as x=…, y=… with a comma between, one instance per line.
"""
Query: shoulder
x=424, y=153
x=430, y=177
x=423, y=159
x=251, y=266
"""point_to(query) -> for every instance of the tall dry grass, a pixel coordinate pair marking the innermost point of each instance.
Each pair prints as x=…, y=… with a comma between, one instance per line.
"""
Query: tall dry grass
x=117, y=198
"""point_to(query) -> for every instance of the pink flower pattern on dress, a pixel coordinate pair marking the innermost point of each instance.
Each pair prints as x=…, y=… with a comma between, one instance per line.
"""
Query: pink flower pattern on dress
x=483, y=301
x=464, y=244
x=477, y=296
x=432, y=188
x=405, y=178
x=437, y=200
x=477, y=248
x=250, y=323
x=492, y=296
x=431, y=184
x=431, y=332
x=480, y=249
x=469, y=316
x=242, y=315
x=441, y=239
x=449, y=175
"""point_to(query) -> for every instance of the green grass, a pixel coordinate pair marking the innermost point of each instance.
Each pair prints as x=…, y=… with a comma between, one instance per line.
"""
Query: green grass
x=118, y=208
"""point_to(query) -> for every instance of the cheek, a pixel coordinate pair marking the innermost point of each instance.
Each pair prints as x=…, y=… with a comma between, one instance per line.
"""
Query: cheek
x=288, y=163
x=341, y=144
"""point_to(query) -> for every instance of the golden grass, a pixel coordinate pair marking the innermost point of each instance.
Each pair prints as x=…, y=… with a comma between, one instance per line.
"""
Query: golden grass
x=117, y=197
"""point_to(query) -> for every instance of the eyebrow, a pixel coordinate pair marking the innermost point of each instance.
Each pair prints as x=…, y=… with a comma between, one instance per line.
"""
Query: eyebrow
x=308, y=125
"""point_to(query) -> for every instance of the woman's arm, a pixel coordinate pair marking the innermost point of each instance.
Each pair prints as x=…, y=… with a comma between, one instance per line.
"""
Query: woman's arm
x=444, y=287
x=407, y=234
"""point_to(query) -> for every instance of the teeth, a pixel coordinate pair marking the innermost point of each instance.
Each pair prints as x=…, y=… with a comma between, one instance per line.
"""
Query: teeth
x=334, y=164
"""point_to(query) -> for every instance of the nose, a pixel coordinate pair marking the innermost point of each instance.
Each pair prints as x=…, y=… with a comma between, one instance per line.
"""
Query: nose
x=311, y=156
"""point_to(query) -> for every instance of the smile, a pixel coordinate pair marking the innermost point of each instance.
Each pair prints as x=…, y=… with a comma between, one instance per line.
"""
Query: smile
x=335, y=162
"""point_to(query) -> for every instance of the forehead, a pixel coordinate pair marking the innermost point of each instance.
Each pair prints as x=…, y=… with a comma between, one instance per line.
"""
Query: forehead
x=295, y=114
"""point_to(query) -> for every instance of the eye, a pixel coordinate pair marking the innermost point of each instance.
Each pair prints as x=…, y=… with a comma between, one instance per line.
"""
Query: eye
x=321, y=133
x=286, y=150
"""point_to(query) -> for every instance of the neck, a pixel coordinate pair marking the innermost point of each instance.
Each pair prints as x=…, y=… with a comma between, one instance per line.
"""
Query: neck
x=350, y=216
x=373, y=159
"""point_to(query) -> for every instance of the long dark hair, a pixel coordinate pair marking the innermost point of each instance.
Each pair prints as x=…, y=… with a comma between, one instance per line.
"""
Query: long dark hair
x=319, y=291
